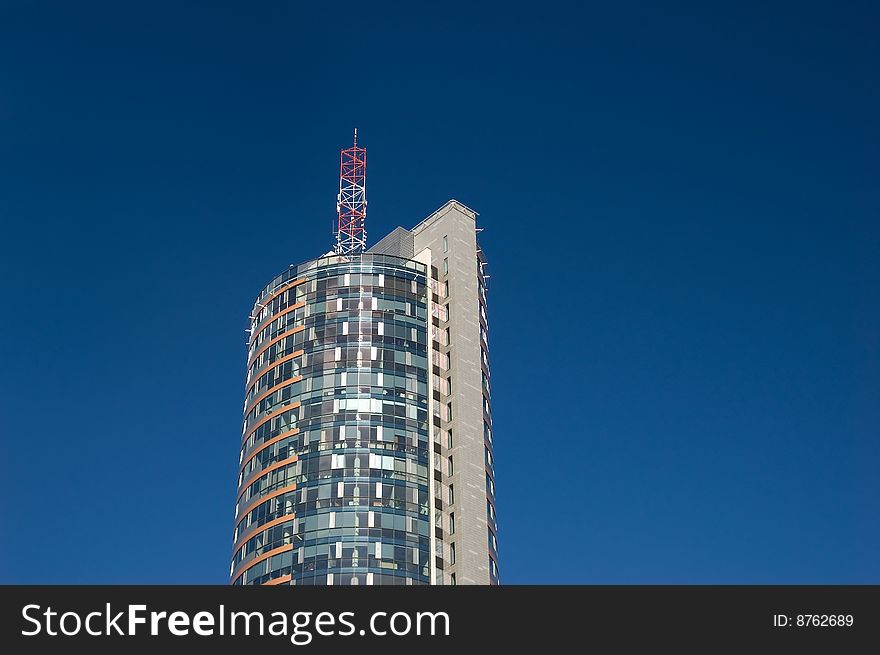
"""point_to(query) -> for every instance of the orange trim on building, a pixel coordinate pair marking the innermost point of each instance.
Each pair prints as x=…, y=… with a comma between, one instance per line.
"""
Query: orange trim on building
x=268, y=344
x=269, y=392
x=265, y=445
x=248, y=481
x=284, y=287
x=269, y=417
x=243, y=539
x=256, y=502
x=266, y=369
x=243, y=567
x=262, y=326
x=274, y=581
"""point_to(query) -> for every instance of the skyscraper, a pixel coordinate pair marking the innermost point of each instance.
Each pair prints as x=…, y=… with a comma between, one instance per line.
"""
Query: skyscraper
x=367, y=450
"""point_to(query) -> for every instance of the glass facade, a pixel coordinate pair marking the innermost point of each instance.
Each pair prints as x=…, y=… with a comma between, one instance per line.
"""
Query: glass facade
x=334, y=484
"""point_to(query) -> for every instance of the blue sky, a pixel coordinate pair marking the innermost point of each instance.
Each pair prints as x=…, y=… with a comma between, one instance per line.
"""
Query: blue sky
x=680, y=207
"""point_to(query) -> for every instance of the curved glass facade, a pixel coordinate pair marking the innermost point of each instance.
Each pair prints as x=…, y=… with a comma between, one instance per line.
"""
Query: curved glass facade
x=334, y=482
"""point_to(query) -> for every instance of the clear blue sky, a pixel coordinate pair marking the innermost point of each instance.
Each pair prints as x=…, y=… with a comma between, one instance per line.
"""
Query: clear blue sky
x=681, y=216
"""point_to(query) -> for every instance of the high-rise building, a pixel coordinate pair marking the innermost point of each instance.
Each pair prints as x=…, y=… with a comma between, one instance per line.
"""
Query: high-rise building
x=367, y=450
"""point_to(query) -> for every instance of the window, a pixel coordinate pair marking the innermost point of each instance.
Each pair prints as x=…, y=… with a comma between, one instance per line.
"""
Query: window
x=490, y=511
x=493, y=543
x=449, y=439
x=445, y=266
x=452, y=553
x=493, y=567
x=490, y=485
x=448, y=411
x=440, y=359
x=450, y=469
x=452, y=579
x=445, y=244
x=452, y=524
x=451, y=495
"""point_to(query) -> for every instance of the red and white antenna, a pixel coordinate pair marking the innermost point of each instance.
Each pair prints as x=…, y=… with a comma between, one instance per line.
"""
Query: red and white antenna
x=351, y=203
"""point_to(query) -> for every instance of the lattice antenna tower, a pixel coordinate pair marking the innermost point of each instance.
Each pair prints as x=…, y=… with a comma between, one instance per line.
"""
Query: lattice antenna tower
x=351, y=203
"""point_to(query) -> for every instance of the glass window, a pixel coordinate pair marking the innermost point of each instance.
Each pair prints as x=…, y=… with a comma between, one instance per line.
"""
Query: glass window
x=445, y=244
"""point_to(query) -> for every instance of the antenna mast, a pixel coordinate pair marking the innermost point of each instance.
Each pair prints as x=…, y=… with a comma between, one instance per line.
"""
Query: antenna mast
x=351, y=203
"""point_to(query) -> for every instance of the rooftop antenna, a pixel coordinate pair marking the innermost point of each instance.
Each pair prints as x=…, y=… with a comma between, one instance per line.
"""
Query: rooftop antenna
x=351, y=203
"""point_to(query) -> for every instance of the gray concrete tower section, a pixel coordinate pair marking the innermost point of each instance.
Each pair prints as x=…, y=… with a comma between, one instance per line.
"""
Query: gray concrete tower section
x=464, y=536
